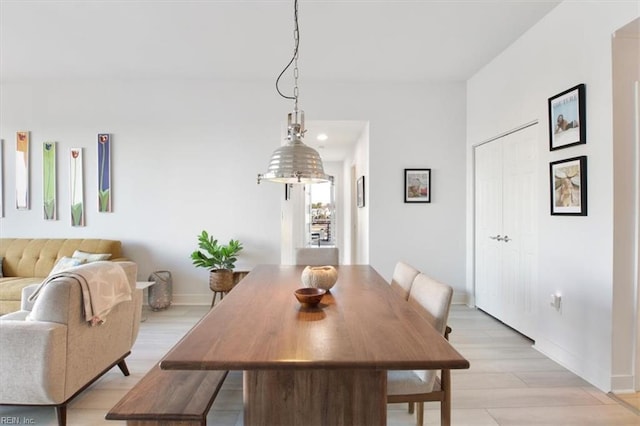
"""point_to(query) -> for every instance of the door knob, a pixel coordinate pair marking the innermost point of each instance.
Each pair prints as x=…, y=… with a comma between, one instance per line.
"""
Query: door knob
x=496, y=237
x=506, y=239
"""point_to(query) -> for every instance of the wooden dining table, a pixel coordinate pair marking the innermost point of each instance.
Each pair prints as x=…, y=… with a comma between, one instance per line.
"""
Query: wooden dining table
x=325, y=365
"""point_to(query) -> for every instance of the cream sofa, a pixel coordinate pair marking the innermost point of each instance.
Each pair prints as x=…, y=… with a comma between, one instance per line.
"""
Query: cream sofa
x=28, y=261
x=50, y=352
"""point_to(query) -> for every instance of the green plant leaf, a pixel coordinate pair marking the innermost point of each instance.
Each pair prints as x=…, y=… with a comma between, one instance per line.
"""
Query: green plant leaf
x=212, y=255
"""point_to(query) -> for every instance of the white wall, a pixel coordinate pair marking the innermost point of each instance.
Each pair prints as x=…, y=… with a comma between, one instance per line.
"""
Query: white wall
x=361, y=214
x=424, y=127
x=571, y=45
x=335, y=169
x=186, y=155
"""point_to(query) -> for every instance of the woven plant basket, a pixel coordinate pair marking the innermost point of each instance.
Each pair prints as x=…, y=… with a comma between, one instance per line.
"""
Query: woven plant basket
x=221, y=280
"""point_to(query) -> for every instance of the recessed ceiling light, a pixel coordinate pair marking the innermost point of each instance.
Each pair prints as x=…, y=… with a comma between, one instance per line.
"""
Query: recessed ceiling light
x=322, y=137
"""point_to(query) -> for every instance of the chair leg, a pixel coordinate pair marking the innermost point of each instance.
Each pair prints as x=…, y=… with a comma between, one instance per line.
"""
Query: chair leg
x=61, y=414
x=420, y=414
x=411, y=407
x=122, y=365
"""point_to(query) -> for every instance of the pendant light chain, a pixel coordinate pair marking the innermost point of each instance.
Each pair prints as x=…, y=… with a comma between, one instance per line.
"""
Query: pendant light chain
x=296, y=73
x=296, y=92
x=296, y=37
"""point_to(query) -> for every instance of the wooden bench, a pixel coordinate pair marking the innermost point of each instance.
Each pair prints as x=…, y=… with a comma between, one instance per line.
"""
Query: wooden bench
x=169, y=398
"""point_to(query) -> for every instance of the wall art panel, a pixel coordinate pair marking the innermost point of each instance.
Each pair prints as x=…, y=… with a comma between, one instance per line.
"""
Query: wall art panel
x=77, y=189
x=104, y=172
x=22, y=170
x=49, y=188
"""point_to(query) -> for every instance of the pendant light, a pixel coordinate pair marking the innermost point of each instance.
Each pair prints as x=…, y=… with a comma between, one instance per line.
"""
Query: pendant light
x=294, y=162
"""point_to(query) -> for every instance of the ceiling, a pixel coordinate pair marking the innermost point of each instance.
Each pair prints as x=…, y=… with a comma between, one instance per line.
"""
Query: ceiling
x=340, y=40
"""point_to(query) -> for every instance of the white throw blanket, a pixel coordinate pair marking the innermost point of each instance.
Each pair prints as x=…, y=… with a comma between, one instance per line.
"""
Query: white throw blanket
x=104, y=284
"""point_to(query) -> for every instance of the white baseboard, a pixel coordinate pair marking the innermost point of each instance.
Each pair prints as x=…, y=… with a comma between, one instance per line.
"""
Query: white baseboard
x=621, y=384
x=460, y=298
x=585, y=368
x=192, y=299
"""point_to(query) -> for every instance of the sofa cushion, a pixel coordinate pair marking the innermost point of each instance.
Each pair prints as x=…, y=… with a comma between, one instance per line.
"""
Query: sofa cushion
x=25, y=257
x=1, y=262
x=11, y=292
x=11, y=287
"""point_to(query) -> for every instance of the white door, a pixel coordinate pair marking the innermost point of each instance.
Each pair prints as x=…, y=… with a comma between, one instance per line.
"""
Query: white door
x=506, y=228
x=488, y=211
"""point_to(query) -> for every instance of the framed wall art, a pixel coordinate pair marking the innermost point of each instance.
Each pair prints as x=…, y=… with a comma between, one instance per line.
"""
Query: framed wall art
x=287, y=191
x=360, y=191
x=76, y=175
x=49, y=180
x=568, y=118
x=569, y=186
x=104, y=172
x=22, y=170
x=417, y=185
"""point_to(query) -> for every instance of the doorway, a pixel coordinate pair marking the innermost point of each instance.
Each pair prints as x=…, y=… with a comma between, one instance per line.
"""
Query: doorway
x=626, y=153
x=313, y=215
x=320, y=216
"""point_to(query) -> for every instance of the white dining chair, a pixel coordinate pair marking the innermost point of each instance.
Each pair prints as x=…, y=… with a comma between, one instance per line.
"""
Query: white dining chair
x=317, y=256
x=403, y=276
x=432, y=300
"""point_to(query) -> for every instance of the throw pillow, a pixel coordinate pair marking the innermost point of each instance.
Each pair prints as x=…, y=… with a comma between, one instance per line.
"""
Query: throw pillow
x=65, y=263
x=90, y=257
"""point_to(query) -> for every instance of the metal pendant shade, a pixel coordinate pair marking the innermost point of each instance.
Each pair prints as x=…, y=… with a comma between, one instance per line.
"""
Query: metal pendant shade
x=295, y=162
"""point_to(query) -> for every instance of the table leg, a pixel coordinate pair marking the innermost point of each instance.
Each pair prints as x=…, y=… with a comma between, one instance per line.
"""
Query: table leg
x=315, y=397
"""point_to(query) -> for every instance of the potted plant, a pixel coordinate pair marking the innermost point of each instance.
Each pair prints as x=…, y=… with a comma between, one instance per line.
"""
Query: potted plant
x=219, y=259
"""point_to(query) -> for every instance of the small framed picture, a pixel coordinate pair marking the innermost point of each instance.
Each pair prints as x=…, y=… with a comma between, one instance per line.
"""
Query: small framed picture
x=569, y=186
x=417, y=185
x=567, y=118
x=287, y=191
x=360, y=191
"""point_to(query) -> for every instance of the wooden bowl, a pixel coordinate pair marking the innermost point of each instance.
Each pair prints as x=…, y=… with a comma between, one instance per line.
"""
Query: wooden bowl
x=309, y=296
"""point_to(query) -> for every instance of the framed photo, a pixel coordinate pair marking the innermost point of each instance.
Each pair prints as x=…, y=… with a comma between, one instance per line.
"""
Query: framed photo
x=287, y=191
x=360, y=191
x=417, y=185
x=568, y=118
x=569, y=186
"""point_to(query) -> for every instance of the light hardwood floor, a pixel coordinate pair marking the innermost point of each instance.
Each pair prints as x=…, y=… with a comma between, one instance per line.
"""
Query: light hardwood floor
x=630, y=399
x=509, y=383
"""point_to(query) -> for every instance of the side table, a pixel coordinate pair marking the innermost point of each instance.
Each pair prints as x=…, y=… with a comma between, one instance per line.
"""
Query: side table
x=141, y=285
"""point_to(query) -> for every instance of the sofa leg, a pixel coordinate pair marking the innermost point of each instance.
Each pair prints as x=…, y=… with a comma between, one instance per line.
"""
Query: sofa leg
x=122, y=365
x=61, y=414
